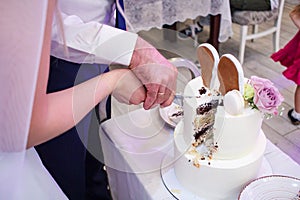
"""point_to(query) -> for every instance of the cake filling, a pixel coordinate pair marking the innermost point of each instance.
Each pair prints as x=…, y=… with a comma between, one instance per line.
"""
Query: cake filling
x=203, y=146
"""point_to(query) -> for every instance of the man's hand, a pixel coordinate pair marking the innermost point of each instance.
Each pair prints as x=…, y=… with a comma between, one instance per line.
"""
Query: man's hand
x=156, y=73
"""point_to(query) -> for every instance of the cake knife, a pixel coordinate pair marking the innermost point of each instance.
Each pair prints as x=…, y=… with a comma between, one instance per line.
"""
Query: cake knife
x=179, y=97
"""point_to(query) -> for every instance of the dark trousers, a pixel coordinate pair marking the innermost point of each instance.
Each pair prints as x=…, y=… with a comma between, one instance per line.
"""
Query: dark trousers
x=79, y=174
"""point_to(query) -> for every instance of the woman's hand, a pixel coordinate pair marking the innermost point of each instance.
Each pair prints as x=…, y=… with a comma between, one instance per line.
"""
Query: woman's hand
x=129, y=89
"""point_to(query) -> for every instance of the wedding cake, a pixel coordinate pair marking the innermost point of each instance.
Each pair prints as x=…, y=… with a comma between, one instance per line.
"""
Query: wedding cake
x=219, y=143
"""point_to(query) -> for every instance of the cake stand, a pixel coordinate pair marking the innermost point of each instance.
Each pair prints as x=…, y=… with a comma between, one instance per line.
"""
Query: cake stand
x=179, y=192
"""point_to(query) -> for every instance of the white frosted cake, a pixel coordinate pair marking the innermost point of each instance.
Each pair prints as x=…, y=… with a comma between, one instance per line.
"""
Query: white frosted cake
x=219, y=144
x=229, y=155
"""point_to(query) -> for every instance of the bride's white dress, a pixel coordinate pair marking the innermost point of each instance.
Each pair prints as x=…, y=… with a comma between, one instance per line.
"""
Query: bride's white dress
x=22, y=174
x=23, y=177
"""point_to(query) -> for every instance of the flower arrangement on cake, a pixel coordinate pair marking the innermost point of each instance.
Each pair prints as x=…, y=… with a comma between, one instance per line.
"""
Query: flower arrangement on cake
x=261, y=94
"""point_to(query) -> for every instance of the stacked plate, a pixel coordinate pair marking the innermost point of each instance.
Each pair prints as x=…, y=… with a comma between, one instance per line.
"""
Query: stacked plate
x=271, y=188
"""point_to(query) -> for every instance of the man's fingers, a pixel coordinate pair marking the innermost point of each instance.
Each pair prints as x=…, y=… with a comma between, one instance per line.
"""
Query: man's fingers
x=151, y=95
x=168, y=100
x=162, y=95
x=158, y=94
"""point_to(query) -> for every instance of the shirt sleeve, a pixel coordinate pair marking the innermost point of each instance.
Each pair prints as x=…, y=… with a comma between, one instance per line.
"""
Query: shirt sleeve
x=91, y=42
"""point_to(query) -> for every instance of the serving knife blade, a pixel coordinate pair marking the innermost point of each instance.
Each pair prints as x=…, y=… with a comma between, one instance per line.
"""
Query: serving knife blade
x=181, y=96
x=178, y=98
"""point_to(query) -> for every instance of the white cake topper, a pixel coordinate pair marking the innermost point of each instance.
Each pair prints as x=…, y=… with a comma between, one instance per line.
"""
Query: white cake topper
x=208, y=58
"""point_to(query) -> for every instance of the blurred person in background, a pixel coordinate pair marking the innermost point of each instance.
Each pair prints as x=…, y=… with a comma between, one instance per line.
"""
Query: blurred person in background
x=289, y=56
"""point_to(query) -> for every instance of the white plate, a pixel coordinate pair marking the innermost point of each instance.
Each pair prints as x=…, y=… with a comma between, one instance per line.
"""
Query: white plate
x=179, y=192
x=166, y=112
x=272, y=187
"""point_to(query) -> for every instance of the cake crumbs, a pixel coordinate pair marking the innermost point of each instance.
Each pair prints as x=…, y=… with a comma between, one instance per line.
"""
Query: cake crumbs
x=196, y=163
x=210, y=149
x=177, y=191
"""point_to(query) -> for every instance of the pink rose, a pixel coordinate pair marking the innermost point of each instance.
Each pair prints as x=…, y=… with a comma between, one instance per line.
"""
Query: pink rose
x=267, y=98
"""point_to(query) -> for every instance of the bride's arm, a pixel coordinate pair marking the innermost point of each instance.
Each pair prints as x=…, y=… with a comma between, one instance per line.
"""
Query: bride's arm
x=57, y=112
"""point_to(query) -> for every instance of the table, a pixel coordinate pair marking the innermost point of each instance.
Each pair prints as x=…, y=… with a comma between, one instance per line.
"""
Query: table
x=134, y=145
x=144, y=15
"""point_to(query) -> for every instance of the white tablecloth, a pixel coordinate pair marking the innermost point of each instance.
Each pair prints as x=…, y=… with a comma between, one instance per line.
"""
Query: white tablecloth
x=134, y=145
x=147, y=14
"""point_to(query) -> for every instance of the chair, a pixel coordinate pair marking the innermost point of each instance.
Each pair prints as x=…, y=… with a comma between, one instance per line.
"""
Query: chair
x=254, y=18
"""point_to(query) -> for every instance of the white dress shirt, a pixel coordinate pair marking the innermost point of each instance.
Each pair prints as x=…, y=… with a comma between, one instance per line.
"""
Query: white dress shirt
x=91, y=37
